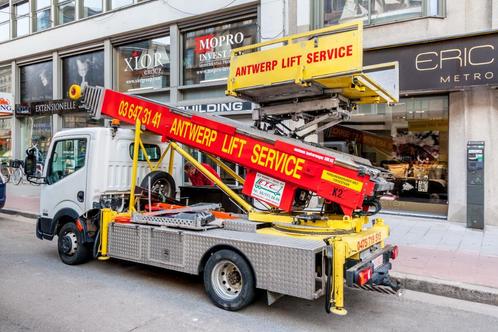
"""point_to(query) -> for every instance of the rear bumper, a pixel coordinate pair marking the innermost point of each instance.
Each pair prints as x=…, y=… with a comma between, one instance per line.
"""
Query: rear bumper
x=380, y=268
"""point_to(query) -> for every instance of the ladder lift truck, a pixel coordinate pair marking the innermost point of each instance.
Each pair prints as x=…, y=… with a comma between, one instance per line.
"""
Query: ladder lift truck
x=276, y=243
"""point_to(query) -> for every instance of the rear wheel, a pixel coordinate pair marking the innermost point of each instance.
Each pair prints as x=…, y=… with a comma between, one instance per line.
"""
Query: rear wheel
x=161, y=183
x=72, y=251
x=229, y=280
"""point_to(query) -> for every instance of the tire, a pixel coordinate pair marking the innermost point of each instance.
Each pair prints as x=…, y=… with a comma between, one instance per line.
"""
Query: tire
x=71, y=249
x=16, y=176
x=229, y=280
x=161, y=183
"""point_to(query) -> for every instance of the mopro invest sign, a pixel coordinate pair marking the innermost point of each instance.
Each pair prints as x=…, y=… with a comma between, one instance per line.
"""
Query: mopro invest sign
x=444, y=65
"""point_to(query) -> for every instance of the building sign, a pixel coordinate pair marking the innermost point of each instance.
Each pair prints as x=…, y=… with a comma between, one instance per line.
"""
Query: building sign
x=206, y=52
x=144, y=65
x=48, y=107
x=6, y=104
x=234, y=106
x=83, y=69
x=443, y=65
x=36, y=82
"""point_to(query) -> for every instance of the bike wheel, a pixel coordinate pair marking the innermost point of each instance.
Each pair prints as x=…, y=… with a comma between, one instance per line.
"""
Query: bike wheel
x=17, y=176
x=5, y=174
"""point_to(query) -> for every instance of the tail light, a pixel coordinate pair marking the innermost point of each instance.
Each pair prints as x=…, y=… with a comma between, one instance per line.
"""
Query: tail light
x=394, y=252
x=364, y=275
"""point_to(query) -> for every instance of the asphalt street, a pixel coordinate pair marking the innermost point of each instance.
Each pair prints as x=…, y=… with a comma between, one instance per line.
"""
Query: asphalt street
x=40, y=293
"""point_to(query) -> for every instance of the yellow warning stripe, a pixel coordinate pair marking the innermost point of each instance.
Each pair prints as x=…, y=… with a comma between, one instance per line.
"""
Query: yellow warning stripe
x=342, y=180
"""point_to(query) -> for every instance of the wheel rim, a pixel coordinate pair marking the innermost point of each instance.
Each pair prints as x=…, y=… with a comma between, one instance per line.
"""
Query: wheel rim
x=69, y=244
x=227, y=280
x=162, y=188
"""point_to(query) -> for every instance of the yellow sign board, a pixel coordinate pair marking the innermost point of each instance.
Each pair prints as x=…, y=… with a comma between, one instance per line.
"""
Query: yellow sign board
x=342, y=180
x=326, y=52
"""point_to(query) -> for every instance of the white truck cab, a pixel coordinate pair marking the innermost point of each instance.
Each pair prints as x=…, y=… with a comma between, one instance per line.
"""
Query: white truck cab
x=88, y=169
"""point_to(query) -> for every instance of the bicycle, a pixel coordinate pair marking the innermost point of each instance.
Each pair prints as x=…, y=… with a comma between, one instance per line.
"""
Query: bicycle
x=18, y=172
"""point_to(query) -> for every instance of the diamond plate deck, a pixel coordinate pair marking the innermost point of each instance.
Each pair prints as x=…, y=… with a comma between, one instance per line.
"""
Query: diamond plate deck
x=281, y=264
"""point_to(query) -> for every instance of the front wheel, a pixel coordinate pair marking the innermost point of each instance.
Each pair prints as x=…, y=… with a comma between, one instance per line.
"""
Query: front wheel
x=229, y=280
x=71, y=249
x=16, y=177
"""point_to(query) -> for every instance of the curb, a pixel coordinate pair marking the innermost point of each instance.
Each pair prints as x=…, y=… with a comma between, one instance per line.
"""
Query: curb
x=30, y=215
x=457, y=290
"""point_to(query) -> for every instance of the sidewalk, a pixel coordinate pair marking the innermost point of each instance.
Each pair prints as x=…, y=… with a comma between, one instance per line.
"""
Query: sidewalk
x=435, y=256
x=445, y=258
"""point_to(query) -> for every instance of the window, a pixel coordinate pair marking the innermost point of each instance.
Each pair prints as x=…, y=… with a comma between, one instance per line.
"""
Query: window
x=153, y=151
x=378, y=11
x=206, y=52
x=68, y=156
x=43, y=9
x=120, y=3
x=66, y=11
x=144, y=65
x=4, y=23
x=5, y=79
x=92, y=7
x=22, y=18
x=410, y=139
x=36, y=82
x=83, y=69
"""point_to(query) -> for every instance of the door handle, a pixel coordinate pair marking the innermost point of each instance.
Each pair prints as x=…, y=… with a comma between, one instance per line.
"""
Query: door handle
x=80, y=196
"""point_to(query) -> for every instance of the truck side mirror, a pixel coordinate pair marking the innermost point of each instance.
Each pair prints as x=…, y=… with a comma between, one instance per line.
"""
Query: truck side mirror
x=30, y=165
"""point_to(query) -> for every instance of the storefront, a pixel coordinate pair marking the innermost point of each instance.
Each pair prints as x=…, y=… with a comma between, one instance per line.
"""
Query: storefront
x=37, y=118
x=6, y=112
x=85, y=69
x=412, y=139
x=36, y=85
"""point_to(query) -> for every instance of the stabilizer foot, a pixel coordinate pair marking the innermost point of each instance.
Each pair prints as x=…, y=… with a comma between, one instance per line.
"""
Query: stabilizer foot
x=339, y=311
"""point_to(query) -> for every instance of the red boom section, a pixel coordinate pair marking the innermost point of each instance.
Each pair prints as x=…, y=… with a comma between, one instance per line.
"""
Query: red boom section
x=274, y=170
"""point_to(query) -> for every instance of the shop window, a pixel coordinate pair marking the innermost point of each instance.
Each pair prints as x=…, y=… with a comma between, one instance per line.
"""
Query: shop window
x=5, y=137
x=4, y=23
x=409, y=139
x=80, y=120
x=68, y=156
x=206, y=52
x=36, y=82
x=66, y=11
x=120, y=3
x=43, y=10
x=92, y=7
x=144, y=65
x=22, y=18
x=378, y=11
x=5, y=79
x=83, y=69
x=36, y=131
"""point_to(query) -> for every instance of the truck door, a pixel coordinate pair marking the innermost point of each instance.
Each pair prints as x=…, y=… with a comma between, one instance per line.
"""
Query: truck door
x=66, y=176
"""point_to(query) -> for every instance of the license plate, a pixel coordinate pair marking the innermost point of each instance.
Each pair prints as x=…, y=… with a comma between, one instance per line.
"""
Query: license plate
x=378, y=261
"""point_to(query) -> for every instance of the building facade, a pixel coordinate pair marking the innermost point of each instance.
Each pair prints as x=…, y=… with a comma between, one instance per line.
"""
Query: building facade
x=177, y=52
